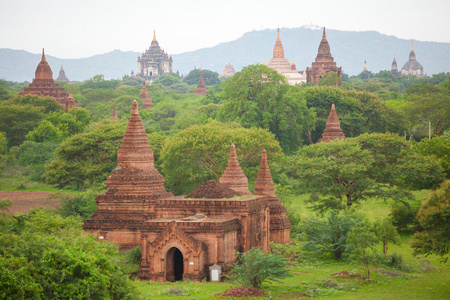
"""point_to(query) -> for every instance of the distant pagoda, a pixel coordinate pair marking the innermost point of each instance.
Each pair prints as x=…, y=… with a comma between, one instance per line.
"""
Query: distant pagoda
x=201, y=88
x=280, y=64
x=394, y=69
x=154, y=62
x=146, y=97
x=412, y=66
x=324, y=63
x=228, y=71
x=62, y=75
x=332, y=128
x=44, y=85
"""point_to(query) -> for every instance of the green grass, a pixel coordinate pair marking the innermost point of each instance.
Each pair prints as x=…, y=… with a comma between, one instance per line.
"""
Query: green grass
x=23, y=184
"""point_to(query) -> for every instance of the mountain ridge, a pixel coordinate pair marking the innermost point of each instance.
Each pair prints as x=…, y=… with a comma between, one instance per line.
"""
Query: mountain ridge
x=349, y=49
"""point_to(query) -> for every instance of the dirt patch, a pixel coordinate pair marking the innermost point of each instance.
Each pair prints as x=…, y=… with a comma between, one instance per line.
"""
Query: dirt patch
x=346, y=274
x=212, y=190
x=23, y=202
x=242, y=291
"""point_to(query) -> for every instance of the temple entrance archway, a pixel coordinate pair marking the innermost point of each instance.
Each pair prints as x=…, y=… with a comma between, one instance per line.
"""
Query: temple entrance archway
x=174, y=265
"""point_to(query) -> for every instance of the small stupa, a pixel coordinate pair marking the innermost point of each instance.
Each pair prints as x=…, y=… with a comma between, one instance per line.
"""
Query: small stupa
x=233, y=177
x=71, y=102
x=146, y=97
x=114, y=114
x=332, y=128
x=201, y=88
x=62, y=75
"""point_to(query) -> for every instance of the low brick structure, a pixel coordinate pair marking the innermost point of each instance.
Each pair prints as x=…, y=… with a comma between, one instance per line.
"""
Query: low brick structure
x=181, y=237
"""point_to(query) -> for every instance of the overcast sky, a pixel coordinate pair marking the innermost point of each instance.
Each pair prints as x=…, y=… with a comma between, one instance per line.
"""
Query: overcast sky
x=82, y=28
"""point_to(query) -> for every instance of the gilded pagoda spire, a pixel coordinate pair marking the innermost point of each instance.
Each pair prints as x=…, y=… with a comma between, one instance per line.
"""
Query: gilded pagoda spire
x=278, y=50
x=233, y=177
x=154, y=36
x=412, y=45
x=264, y=183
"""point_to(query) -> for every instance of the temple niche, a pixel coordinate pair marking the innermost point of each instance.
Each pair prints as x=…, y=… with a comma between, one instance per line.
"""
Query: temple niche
x=182, y=236
x=154, y=62
x=412, y=66
x=324, y=63
x=44, y=85
x=280, y=64
x=333, y=129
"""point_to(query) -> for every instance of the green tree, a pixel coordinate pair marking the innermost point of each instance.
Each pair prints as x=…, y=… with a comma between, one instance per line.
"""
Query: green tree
x=86, y=159
x=201, y=152
x=329, y=79
x=35, y=155
x=437, y=147
x=260, y=97
x=344, y=172
x=168, y=79
x=362, y=239
x=386, y=232
x=46, y=131
x=434, y=217
x=328, y=235
x=16, y=120
x=209, y=77
x=47, y=104
x=255, y=267
x=3, y=143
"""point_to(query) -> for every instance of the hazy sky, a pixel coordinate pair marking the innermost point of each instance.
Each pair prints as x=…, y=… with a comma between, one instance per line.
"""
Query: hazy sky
x=82, y=28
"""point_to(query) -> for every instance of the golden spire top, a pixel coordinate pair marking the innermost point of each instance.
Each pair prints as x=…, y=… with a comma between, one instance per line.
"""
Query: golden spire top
x=154, y=36
x=293, y=61
x=264, y=62
x=278, y=36
x=412, y=45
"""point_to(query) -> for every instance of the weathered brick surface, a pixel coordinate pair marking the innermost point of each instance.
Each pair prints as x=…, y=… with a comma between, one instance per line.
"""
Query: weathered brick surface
x=332, y=128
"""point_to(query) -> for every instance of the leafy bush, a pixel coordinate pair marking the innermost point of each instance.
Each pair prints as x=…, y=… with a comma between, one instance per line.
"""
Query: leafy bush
x=78, y=205
x=404, y=216
x=328, y=235
x=255, y=266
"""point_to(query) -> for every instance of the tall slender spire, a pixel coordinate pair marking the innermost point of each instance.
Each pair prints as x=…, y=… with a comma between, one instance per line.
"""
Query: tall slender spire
x=324, y=35
x=412, y=45
x=154, y=35
x=264, y=183
x=278, y=50
x=43, y=54
x=233, y=177
x=114, y=114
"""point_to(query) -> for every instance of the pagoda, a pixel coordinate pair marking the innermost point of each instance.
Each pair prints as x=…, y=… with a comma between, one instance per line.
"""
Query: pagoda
x=44, y=85
x=62, y=75
x=332, y=128
x=233, y=177
x=394, y=69
x=324, y=63
x=71, y=102
x=280, y=64
x=154, y=62
x=146, y=97
x=201, y=88
x=412, y=66
x=114, y=114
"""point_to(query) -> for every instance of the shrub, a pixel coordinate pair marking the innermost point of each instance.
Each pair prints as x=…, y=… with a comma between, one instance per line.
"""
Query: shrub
x=404, y=216
x=255, y=266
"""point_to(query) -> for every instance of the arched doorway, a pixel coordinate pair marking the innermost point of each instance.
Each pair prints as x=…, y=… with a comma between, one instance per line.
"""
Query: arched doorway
x=174, y=265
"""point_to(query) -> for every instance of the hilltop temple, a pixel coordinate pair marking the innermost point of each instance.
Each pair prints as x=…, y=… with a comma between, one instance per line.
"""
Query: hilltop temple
x=324, y=63
x=44, y=85
x=183, y=237
x=280, y=64
x=412, y=66
x=62, y=75
x=228, y=71
x=154, y=62
x=332, y=128
x=201, y=87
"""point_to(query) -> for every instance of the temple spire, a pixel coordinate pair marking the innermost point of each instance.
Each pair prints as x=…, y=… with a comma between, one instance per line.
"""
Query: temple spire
x=332, y=128
x=412, y=45
x=43, y=55
x=233, y=177
x=324, y=35
x=201, y=87
x=278, y=50
x=114, y=114
x=154, y=35
x=264, y=183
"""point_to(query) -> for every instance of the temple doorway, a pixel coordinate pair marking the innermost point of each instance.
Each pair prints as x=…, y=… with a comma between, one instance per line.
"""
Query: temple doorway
x=174, y=265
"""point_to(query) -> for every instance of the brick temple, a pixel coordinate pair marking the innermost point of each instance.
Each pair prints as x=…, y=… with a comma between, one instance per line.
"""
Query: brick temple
x=146, y=97
x=182, y=236
x=44, y=85
x=324, y=63
x=201, y=87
